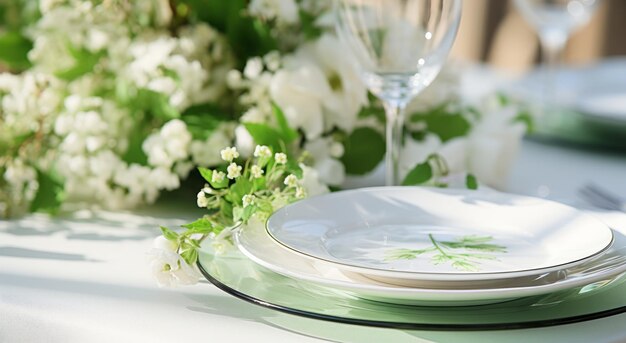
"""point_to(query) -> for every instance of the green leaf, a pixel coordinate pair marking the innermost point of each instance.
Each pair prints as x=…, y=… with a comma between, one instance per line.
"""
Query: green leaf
x=471, y=182
x=526, y=118
x=157, y=104
x=248, y=211
x=242, y=187
x=372, y=111
x=201, y=225
x=265, y=135
x=288, y=134
x=444, y=124
x=84, y=62
x=420, y=174
x=134, y=153
x=207, y=175
x=50, y=193
x=169, y=234
x=308, y=27
x=364, y=149
x=190, y=256
x=14, y=48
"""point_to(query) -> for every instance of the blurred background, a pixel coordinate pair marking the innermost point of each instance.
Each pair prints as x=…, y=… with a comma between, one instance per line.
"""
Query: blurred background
x=494, y=31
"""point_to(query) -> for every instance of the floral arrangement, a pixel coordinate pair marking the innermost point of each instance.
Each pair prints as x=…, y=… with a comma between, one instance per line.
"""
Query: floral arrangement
x=107, y=103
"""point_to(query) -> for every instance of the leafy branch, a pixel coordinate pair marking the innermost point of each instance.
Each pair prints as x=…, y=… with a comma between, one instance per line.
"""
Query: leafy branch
x=463, y=254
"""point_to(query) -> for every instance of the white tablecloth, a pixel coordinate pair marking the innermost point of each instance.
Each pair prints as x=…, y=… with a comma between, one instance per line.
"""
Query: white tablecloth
x=86, y=278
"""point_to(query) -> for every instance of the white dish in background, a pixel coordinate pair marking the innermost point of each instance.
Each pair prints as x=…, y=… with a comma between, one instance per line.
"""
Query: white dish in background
x=256, y=244
x=413, y=234
x=608, y=106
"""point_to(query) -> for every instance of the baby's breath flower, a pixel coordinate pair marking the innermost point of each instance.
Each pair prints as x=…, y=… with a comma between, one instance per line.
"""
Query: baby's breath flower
x=202, y=200
x=217, y=176
x=300, y=192
x=234, y=171
x=291, y=181
x=262, y=151
x=256, y=171
x=336, y=150
x=229, y=154
x=248, y=200
x=280, y=158
x=207, y=189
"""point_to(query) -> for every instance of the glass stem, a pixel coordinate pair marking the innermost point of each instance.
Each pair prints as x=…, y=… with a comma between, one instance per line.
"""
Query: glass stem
x=552, y=45
x=395, y=128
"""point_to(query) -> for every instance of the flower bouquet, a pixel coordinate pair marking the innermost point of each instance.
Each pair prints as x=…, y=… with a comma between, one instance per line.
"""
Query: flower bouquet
x=106, y=104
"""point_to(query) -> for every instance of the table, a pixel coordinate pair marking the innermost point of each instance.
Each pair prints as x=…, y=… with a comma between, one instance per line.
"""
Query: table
x=85, y=278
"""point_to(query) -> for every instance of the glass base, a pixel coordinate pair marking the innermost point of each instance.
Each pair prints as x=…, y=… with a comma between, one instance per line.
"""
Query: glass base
x=237, y=275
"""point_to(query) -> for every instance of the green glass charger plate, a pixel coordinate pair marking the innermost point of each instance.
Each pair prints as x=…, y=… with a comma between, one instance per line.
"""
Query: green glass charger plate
x=574, y=128
x=235, y=274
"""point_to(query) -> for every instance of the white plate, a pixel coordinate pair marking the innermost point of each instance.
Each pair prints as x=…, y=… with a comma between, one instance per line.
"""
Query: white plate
x=596, y=91
x=256, y=244
x=607, y=106
x=416, y=233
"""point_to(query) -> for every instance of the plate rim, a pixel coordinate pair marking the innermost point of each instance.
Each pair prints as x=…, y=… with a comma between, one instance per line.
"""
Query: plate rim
x=445, y=276
x=394, y=291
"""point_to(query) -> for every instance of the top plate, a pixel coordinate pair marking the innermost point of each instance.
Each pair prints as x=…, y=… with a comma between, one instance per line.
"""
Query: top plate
x=439, y=234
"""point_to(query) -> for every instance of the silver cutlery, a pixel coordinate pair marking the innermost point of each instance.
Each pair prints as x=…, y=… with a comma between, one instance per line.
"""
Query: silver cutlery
x=602, y=198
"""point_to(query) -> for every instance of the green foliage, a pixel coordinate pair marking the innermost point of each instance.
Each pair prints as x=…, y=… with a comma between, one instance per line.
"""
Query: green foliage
x=202, y=225
x=364, y=149
x=444, y=124
x=471, y=182
x=420, y=174
x=49, y=194
x=207, y=174
x=202, y=120
x=526, y=118
x=84, y=62
x=14, y=48
x=287, y=134
x=247, y=36
x=266, y=135
x=169, y=234
x=309, y=29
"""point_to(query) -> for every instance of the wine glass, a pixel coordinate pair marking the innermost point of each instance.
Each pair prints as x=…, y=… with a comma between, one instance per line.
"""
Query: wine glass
x=554, y=21
x=400, y=46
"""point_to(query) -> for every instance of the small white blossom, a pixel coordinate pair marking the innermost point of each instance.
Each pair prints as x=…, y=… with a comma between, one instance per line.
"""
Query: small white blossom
x=234, y=171
x=229, y=154
x=300, y=192
x=207, y=189
x=336, y=149
x=248, y=200
x=262, y=151
x=233, y=79
x=202, y=200
x=253, y=68
x=256, y=171
x=217, y=176
x=280, y=158
x=291, y=181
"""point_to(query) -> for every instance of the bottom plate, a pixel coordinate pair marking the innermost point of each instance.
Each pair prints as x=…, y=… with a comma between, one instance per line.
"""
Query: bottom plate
x=234, y=273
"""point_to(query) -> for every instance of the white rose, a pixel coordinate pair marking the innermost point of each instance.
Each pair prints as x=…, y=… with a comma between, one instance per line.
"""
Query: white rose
x=311, y=182
x=300, y=94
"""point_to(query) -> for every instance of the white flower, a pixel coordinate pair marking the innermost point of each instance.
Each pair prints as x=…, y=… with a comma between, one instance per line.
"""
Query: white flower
x=253, y=68
x=300, y=92
x=280, y=158
x=168, y=267
x=217, y=176
x=248, y=200
x=229, y=154
x=207, y=153
x=343, y=91
x=330, y=170
x=272, y=60
x=256, y=171
x=233, y=79
x=311, y=183
x=202, y=200
x=262, y=151
x=291, y=181
x=284, y=11
x=234, y=171
x=336, y=149
x=300, y=192
x=243, y=141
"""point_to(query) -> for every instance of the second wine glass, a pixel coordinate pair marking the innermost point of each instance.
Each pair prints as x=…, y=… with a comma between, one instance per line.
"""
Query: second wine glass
x=400, y=46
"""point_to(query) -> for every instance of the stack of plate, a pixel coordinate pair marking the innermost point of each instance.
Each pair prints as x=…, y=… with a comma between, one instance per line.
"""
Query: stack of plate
x=434, y=247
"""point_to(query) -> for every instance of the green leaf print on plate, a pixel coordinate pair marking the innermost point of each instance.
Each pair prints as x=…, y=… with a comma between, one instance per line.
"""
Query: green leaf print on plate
x=463, y=254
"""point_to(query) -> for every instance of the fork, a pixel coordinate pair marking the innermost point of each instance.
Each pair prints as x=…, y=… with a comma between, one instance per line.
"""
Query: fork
x=602, y=198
